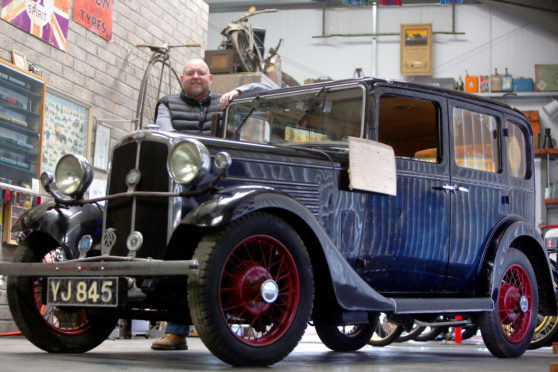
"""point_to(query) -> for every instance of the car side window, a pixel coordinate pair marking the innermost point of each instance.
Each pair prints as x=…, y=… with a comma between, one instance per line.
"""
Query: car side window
x=516, y=151
x=475, y=140
x=410, y=126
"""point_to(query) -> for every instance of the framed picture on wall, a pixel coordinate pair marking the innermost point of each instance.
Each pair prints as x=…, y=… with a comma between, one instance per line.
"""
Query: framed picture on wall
x=66, y=129
x=19, y=59
x=416, y=49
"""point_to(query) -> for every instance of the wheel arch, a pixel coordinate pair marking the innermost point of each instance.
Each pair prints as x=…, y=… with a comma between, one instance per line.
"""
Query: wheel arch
x=522, y=236
x=334, y=277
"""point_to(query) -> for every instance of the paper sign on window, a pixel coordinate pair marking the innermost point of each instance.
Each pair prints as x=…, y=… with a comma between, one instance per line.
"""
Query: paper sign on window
x=372, y=166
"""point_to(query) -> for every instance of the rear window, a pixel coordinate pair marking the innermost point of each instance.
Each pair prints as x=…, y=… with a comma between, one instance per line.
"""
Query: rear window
x=516, y=151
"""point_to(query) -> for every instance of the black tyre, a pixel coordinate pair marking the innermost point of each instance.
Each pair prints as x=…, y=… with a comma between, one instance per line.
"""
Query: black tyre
x=249, y=57
x=253, y=296
x=52, y=328
x=385, y=332
x=415, y=331
x=545, y=333
x=345, y=338
x=507, y=331
x=430, y=333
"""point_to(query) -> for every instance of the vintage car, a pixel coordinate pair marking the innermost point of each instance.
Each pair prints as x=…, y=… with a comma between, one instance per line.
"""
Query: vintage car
x=328, y=203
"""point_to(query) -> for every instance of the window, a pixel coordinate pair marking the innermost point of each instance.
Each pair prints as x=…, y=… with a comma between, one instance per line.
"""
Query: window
x=313, y=117
x=516, y=153
x=475, y=138
x=410, y=126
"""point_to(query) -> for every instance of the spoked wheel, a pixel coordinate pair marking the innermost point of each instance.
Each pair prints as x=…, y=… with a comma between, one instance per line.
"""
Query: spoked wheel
x=345, y=338
x=508, y=330
x=248, y=55
x=385, y=332
x=159, y=80
x=415, y=331
x=253, y=296
x=545, y=331
x=52, y=328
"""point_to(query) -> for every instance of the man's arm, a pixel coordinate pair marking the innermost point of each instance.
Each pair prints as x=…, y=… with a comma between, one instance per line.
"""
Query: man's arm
x=163, y=118
x=246, y=88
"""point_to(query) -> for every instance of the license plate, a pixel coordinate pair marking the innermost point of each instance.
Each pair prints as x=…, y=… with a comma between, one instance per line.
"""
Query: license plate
x=82, y=291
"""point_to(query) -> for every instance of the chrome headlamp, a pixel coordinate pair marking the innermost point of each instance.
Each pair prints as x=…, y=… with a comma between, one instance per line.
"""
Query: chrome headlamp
x=189, y=162
x=73, y=175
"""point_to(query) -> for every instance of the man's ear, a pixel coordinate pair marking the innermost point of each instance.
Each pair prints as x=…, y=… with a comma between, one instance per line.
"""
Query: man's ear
x=210, y=78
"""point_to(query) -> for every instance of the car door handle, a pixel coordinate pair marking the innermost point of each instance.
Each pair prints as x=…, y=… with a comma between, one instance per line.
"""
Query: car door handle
x=454, y=188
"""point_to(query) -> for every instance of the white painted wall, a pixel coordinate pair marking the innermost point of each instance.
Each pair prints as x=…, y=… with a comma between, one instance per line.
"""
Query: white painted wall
x=492, y=39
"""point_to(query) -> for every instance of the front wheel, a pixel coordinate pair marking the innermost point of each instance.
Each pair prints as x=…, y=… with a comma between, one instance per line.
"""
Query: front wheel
x=507, y=331
x=248, y=54
x=253, y=296
x=54, y=329
x=345, y=338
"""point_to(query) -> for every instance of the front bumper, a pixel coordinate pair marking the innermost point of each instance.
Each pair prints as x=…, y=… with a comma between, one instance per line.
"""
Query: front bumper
x=102, y=266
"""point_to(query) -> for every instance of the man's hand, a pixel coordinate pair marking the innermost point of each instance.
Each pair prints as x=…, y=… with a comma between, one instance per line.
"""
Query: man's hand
x=227, y=98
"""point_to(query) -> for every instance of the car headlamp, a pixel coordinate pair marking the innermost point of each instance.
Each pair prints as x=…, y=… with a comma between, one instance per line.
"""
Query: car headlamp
x=188, y=161
x=73, y=175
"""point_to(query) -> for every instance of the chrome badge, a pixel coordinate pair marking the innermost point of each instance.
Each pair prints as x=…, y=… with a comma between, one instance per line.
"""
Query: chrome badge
x=109, y=238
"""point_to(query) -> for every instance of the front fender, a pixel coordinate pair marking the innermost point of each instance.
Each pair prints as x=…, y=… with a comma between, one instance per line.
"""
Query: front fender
x=351, y=291
x=65, y=224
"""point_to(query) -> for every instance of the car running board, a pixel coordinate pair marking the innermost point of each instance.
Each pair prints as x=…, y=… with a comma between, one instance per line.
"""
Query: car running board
x=442, y=305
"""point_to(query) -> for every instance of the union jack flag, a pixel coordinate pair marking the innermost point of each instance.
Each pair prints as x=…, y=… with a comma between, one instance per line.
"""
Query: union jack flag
x=46, y=19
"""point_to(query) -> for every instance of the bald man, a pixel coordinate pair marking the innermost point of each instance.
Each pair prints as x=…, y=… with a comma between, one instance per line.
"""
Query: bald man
x=192, y=110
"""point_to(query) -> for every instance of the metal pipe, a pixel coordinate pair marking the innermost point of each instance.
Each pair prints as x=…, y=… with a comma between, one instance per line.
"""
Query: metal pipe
x=374, y=43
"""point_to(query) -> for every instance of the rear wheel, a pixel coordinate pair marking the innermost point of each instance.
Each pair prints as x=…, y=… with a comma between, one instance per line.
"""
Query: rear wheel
x=52, y=328
x=345, y=338
x=415, y=331
x=507, y=331
x=253, y=296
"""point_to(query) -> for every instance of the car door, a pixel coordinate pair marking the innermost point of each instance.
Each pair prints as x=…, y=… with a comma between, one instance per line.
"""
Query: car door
x=405, y=243
x=480, y=196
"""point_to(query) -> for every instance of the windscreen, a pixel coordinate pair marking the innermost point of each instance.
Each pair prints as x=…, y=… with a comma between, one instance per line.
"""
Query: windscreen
x=318, y=116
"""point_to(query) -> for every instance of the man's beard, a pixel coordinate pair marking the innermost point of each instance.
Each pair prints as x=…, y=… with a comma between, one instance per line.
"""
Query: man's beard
x=196, y=91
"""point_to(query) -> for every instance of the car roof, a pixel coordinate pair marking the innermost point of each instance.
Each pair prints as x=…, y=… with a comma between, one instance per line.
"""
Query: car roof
x=374, y=82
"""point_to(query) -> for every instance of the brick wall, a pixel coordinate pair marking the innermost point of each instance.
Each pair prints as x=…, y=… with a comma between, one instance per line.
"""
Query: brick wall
x=107, y=74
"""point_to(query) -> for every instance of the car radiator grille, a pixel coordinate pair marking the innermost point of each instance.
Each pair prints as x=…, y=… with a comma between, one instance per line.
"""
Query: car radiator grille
x=151, y=214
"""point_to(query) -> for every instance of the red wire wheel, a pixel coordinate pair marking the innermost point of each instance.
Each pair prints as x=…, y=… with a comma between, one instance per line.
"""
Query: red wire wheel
x=515, y=303
x=259, y=290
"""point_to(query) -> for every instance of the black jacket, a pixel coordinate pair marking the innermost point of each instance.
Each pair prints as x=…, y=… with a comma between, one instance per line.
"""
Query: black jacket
x=189, y=115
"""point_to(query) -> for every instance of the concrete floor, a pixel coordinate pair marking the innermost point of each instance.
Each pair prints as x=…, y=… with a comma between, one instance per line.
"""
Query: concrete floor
x=17, y=354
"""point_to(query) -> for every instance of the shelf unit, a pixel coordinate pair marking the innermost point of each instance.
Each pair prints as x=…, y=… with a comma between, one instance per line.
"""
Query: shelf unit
x=546, y=156
x=22, y=100
x=519, y=95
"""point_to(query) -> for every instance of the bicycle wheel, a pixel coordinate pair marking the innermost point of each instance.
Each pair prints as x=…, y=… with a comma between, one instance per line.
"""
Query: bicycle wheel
x=159, y=80
x=249, y=57
x=386, y=332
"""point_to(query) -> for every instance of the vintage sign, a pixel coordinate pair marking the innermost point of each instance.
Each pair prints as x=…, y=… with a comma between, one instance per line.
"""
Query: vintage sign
x=372, y=166
x=416, y=49
x=95, y=15
x=46, y=19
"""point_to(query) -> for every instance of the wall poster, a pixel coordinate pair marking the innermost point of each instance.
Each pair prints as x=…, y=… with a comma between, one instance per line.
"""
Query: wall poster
x=96, y=15
x=66, y=128
x=416, y=49
x=46, y=19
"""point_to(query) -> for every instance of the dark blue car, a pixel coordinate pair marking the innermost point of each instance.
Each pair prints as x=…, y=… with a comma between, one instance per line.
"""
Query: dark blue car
x=329, y=203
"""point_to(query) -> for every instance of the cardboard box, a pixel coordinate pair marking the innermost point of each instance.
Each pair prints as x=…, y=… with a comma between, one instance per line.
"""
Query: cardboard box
x=522, y=85
x=546, y=78
x=533, y=117
x=471, y=84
